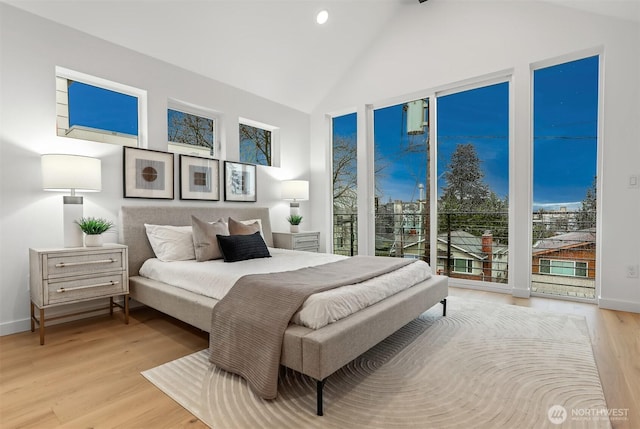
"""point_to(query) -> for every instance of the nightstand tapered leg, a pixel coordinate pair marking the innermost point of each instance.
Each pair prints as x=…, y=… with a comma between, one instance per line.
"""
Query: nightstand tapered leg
x=33, y=323
x=126, y=309
x=42, y=326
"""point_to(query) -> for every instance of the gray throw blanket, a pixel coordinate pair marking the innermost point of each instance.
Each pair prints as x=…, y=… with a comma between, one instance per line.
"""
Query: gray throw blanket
x=248, y=324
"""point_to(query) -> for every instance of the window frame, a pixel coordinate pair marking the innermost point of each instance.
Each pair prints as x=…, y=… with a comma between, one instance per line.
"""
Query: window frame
x=63, y=75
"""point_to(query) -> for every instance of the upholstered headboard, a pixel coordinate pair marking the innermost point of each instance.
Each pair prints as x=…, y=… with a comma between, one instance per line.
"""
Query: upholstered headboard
x=133, y=218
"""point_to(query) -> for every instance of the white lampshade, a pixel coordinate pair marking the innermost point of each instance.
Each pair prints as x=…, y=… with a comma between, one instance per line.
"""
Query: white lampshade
x=295, y=190
x=71, y=173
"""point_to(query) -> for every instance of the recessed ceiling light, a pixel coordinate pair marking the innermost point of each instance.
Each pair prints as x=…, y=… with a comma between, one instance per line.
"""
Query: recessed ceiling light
x=322, y=17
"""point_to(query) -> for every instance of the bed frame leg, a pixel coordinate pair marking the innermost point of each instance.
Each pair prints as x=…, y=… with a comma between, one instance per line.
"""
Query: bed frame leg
x=444, y=307
x=319, y=387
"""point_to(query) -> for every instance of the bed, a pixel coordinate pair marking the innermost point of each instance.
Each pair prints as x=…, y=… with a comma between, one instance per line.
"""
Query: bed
x=316, y=353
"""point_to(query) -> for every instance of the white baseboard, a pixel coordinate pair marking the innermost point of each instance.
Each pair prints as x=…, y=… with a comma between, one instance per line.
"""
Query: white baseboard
x=14, y=326
x=616, y=304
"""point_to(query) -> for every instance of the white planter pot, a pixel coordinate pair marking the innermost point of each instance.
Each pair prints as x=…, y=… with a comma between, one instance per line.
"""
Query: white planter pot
x=93, y=240
x=294, y=228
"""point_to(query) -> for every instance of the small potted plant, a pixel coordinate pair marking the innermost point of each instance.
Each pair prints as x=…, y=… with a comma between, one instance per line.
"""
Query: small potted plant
x=294, y=220
x=93, y=228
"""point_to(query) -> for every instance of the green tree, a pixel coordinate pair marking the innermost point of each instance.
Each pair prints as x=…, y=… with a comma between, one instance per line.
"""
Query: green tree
x=586, y=216
x=467, y=203
x=465, y=191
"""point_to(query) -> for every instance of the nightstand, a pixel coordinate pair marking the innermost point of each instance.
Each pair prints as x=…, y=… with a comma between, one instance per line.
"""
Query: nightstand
x=74, y=274
x=308, y=241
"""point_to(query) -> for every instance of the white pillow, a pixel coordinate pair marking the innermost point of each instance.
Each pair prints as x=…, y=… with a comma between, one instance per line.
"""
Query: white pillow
x=171, y=243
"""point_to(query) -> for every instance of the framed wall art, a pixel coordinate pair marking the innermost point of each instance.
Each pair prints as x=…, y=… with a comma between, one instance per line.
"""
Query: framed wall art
x=147, y=173
x=199, y=178
x=239, y=182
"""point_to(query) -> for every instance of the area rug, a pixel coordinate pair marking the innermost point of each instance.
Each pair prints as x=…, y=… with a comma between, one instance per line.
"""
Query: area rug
x=481, y=366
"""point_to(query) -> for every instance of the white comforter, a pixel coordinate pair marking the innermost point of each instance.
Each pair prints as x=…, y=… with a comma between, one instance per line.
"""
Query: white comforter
x=215, y=278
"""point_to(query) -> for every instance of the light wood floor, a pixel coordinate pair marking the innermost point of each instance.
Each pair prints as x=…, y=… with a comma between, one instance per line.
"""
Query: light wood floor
x=88, y=372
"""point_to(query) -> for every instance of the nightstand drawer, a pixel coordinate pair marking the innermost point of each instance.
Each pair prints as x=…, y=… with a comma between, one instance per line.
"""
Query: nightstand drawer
x=84, y=287
x=315, y=249
x=59, y=265
x=306, y=240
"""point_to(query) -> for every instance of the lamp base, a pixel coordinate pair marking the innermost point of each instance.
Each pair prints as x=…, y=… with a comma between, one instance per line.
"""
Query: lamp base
x=72, y=211
x=294, y=208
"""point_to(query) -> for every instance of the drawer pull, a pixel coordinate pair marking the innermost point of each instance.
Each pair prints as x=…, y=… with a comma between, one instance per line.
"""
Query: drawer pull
x=73, y=264
x=109, y=283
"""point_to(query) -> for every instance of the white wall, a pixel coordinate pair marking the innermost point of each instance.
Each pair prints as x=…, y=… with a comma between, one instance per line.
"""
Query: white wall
x=30, y=48
x=430, y=46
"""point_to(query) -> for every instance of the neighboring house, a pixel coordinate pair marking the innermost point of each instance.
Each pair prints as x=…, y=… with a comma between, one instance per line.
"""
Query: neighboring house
x=473, y=258
x=400, y=229
x=570, y=254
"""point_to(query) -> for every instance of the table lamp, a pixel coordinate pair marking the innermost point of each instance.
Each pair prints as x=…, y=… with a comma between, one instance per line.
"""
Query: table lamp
x=294, y=191
x=72, y=173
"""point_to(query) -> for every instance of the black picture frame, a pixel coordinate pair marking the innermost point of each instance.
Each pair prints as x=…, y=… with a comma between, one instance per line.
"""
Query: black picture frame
x=240, y=182
x=199, y=178
x=147, y=173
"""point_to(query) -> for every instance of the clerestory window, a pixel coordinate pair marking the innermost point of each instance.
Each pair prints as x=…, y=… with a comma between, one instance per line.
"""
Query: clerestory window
x=95, y=109
x=191, y=130
x=256, y=143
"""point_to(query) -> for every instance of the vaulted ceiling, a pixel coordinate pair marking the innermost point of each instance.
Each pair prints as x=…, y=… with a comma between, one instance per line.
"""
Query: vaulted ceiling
x=272, y=48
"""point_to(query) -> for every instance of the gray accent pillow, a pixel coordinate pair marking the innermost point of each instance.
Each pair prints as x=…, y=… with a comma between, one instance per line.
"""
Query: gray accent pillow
x=205, y=241
x=243, y=247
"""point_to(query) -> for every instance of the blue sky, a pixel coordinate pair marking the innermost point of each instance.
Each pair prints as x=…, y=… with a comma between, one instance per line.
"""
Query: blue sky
x=95, y=107
x=402, y=171
x=481, y=117
x=565, y=129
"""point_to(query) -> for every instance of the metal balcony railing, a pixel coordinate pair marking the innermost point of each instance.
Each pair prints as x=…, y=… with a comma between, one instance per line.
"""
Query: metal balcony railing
x=345, y=231
x=475, y=246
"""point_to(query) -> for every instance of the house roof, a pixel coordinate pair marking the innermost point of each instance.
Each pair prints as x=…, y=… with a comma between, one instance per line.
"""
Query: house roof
x=470, y=243
x=565, y=240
